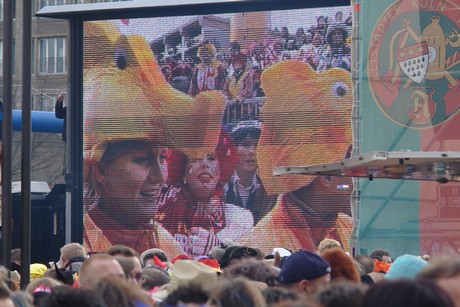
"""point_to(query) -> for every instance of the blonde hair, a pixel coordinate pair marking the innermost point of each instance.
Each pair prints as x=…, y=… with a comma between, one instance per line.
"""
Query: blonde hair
x=72, y=250
x=328, y=243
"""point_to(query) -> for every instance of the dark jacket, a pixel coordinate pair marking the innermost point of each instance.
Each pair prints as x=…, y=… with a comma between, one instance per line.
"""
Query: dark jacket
x=60, y=111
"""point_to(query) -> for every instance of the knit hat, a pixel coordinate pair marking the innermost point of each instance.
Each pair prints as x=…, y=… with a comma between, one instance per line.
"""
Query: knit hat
x=238, y=252
x=405, y=266
x=153, y=251
x=303, y=265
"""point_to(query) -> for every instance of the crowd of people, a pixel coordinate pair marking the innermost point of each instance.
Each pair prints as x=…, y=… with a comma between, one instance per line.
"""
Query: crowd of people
x=236, y=71
x=234, y=275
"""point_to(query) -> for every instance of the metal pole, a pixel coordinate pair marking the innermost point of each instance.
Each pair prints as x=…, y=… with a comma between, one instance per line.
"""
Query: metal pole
x=26, y=132
x=6, y=130
x=356, y=120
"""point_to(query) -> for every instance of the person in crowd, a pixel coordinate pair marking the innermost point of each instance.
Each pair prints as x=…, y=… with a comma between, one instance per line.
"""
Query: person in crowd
x=405, y=266
x=318, y=206
x=285, y=37
x=153, y=277
x=72, y=297
x=326, y=244
x=22, y=299
x=123, y=214
x=60, y=111
x=193, y=210
x=217, y=252
x=253, y=269
x=445, y=271
x=5, y=296
x=305, y=272
x=306, y=50
x=166, y=70
x=382, y=260
x=41, y=287
x=121, y=250
x=208, y=74
x=125, y=172
x=366, y=264
x=234, y=51
x=321, y=27
x=239, y=85
x=337, y=52
x=235, y=254
x=377, y=276
x=187, y=273
x=37, y=270
x=191, y=295
x=119, y=292
x=339, y=17
x=366, y=261
x=406, y=293
x=245, y=188
x=257, y=57
x=131, y=268
x=341, y=293
x=276, y=296
x=179, y=80
x=97, y=267
x=238, y=292
x=16, y=259
x=147, y=257
x=381, y=254
x=342, y=265
x=313, y=53
x=299, y=39
x=72, y=257
x=257, y=84
x=278, y=52
x=129, y=261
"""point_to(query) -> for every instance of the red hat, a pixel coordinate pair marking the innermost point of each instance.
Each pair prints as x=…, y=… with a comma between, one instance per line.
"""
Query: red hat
x=213, y=263
x=180, y=257
x=158, y=262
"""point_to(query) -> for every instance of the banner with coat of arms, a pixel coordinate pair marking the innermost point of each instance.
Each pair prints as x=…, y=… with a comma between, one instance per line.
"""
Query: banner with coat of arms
x=409, y=100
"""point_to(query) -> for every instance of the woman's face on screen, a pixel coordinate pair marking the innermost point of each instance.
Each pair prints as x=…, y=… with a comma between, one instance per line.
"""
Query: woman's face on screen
x=132, y=180
x=202, y=175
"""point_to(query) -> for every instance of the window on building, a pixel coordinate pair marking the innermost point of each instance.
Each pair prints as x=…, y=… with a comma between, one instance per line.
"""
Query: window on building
x=44, y=3
x=52, y=55
x=1, y=57
x=1, y=9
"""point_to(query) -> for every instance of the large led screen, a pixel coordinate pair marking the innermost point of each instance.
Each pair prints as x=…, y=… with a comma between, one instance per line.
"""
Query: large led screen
x=185, y=118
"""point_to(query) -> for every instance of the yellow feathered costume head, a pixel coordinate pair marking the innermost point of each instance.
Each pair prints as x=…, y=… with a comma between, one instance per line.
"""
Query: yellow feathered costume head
x=126, y=97
x=306, y=119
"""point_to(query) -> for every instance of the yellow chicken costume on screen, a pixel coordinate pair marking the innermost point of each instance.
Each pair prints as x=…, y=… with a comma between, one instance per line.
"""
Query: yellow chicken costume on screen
x=128, y=101
x=305, y=120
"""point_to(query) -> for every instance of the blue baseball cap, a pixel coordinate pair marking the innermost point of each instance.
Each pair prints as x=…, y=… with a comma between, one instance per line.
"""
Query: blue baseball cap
x=303, y=265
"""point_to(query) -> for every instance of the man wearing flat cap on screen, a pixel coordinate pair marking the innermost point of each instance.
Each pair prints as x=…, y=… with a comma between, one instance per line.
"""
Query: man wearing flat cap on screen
x=305, y=272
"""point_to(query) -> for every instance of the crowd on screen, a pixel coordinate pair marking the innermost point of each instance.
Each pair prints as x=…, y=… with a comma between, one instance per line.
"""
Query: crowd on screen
x=323, y=46
x=232, y=275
